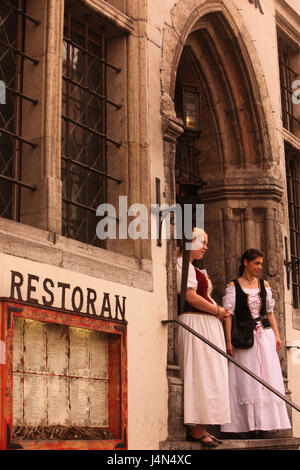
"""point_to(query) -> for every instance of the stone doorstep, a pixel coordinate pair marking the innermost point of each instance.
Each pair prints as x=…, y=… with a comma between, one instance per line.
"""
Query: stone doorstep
x=292, y=443
x=177, y=430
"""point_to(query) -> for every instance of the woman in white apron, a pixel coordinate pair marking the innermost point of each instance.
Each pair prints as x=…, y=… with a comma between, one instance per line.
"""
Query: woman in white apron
x=204, y=371
x=253, y=407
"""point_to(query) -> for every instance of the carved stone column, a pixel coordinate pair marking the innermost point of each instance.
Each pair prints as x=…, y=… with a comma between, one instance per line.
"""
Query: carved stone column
x=229, y=248
x=249, y=229
x=275, y=274
x=172, y=129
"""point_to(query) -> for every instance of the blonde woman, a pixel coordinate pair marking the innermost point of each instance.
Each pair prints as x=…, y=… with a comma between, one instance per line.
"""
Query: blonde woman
x=204, y=371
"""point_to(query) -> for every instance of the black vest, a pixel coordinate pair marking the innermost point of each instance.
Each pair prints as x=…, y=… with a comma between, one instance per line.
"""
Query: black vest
x=242, y=310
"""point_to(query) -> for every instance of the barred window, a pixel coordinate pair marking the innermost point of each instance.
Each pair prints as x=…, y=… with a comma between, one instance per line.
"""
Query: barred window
x=187, y=105
x=13, y=143
x=293, y=193
x=85, y=133
x=188, y=102
x=289, y=59
x=186, y=166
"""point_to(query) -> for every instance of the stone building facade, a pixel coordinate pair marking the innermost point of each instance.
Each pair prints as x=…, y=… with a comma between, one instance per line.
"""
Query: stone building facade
x=145, y=100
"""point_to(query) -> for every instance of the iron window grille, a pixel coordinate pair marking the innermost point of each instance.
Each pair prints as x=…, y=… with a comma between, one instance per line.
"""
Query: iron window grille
x=13, y=21
x=84, y=130
x=293, y=193
x=187, y=105
x=187, y=168
x=287, y=76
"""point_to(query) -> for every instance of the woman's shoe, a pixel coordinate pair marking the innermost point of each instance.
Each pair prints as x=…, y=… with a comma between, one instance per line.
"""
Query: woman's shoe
x=211, y=443
x=219, y=441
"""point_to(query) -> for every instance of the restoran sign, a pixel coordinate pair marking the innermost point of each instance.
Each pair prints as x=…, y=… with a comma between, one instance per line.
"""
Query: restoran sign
x=48, y=286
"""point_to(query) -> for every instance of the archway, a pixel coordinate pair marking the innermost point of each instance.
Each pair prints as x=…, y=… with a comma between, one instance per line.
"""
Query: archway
x=212, y=57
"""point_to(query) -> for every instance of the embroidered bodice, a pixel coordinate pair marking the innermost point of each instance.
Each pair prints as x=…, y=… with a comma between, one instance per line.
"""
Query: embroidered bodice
x=253, y=300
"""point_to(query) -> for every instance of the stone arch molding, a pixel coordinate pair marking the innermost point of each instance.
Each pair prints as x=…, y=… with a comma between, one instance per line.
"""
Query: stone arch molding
x=184, y=17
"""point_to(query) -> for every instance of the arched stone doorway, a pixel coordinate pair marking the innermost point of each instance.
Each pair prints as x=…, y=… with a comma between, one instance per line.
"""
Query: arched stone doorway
x=209, y=52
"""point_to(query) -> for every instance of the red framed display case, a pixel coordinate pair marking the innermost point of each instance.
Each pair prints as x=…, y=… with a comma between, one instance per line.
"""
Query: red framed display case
x=14, y=317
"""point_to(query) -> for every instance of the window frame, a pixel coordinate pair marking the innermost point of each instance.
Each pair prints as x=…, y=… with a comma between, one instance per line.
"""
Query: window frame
x=293, y=201
x=287, y=48
x=117, y=374
x=84, y=29
x=38, y=235
x=18, y=97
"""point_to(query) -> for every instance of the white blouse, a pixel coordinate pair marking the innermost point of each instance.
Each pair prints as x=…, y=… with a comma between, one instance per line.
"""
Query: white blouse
x=254, y=300
x=192, y=282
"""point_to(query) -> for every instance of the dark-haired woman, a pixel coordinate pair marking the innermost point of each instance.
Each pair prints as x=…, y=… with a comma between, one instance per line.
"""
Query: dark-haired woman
x=252, y=406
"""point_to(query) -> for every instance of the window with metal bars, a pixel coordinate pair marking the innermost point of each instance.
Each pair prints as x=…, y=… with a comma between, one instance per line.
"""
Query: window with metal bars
x=289, y=72
x=186, y=164
x=293, y=193
x=13, y=58
x=85, y=173
x=188, y=108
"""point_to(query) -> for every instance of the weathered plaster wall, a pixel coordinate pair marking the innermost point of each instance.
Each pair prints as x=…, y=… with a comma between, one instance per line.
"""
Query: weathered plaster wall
x=266, y=222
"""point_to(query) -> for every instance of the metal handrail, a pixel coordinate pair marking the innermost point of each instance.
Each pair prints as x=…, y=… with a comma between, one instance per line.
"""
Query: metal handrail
x=237, y=363
x=184, y=276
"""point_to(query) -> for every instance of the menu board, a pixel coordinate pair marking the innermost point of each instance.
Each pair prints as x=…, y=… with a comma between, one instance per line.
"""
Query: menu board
x=35, y=396
x=57, y=349
x=98, y=394
x=60, y=375
x=57, y=401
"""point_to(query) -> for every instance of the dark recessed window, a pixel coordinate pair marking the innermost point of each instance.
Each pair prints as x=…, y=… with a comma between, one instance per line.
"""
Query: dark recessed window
x=85, y=136
x=293, y=193
x=13, y=60
x=289, y=73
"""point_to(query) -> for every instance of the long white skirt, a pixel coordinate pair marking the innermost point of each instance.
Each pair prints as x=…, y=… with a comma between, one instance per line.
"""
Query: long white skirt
x=253, y=406
x=203, y=370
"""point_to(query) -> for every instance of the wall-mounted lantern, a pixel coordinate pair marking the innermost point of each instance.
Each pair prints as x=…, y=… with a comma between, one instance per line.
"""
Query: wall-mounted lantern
x=191, y=109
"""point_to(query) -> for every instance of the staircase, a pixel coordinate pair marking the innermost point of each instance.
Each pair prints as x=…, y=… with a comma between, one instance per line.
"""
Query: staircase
x=177, y=434
x=288, y=443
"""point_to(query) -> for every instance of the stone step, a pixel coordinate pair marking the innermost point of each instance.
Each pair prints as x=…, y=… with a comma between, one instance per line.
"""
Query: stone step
x=177, y=430
x=289, y=443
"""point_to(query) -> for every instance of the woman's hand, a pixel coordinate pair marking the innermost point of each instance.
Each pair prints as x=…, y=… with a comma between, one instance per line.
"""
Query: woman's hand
x=230, y=349
x=222, y=313
x=278, y=343
x=273, y=324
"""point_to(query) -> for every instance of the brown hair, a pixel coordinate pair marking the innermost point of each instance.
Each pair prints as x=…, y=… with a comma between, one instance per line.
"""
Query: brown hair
x=249, y=255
